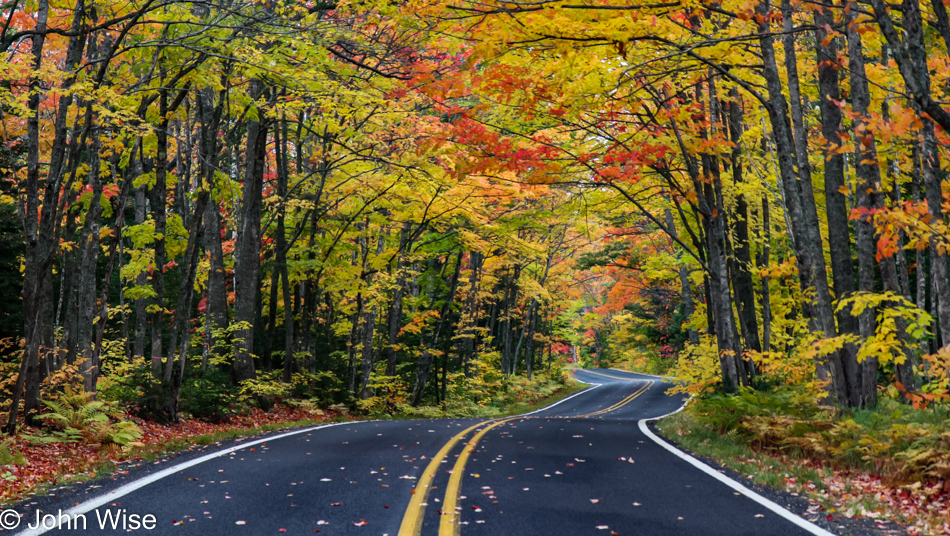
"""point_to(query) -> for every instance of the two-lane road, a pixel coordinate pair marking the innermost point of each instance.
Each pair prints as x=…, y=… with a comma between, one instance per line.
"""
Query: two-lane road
x=582, y=466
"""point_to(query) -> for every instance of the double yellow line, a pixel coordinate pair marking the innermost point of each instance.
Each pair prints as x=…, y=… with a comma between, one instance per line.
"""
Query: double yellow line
x=412, y=522
x=609, y=376
x=620, y=404
x=449, y=523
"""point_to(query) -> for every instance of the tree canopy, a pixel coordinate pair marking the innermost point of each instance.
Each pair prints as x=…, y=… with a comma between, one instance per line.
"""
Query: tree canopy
x=399, y=202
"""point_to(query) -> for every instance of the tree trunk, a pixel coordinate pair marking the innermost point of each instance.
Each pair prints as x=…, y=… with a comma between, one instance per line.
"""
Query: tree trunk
x=283, y=172
x=801, y=209
x=89, y=246
x=158, y=208
x=872, y=197
x=424, y=364
x=217, y=304
x=394, y=316
x=248, y=247
x=183, y=308
x=742, y=278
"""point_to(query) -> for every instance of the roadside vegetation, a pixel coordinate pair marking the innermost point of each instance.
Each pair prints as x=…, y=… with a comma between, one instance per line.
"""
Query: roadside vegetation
x=891, y=463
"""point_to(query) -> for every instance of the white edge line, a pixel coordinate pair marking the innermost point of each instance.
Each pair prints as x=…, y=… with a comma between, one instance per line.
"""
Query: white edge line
x=121, y=491
x=640, y=373
x=106, y=498
x=545, y=408
x=771, y=506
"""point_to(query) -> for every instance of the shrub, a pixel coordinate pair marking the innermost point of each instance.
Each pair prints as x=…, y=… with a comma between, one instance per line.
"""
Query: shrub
x=904, y=443
x=208, y=395
x=264, y=391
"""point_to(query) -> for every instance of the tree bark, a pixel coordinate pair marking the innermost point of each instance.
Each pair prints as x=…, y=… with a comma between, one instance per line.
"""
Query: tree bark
x=871, y=195
x=394, y=316
x=742, y=278
x=158, y=200
x=802, y=212
x=424, y=364
x=248, y=247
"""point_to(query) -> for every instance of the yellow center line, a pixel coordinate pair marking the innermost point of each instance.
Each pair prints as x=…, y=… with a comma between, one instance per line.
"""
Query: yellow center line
x=620, y=404
x=609, y=376
x=412, y=521
x=448, y=526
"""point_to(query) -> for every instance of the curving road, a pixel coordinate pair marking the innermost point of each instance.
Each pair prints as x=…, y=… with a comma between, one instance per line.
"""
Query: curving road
x=586, y=465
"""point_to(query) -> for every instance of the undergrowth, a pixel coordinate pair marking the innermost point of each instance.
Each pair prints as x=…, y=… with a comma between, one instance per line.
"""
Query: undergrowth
x=903, y=444
x=489, y=397
x=890, y=462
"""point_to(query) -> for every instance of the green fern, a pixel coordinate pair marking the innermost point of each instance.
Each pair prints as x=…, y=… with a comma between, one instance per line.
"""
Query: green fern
x=79, y=418
x=10, y=457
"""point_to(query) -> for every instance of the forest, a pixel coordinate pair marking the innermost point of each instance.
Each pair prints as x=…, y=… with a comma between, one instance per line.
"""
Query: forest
x=398, y=205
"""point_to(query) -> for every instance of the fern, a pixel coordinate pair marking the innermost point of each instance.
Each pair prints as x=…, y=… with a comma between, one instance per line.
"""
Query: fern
x=10, y=457
x=79, y=418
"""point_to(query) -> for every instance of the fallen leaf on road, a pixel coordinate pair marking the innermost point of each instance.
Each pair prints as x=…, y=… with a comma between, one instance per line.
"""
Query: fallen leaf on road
x=602, y=527
x=359, y=523
x=240, y=522
x=595, y=501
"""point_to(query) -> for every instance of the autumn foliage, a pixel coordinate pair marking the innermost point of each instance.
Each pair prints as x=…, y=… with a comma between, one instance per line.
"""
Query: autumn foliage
x=216, y=207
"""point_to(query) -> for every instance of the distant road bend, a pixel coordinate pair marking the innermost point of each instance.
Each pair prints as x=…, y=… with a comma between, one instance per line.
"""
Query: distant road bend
x=586, y=465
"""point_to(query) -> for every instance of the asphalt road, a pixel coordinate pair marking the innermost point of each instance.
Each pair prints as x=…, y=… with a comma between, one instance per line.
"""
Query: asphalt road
x=582, y=466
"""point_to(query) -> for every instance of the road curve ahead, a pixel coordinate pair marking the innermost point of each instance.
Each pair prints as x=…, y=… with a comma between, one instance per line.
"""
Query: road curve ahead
x=582, y=466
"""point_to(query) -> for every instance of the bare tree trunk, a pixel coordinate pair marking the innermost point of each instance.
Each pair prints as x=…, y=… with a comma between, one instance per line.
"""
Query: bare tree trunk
x=762, y=262
x=89, y=245
x=283, y=172
x=742, y=278
x=141, y=280
x=802, y=212
x=217, y=305
x=248, y=247
x=836, y=209
x=424, y=364
x=183, y=308
x=872, y=197
x=368, y=320
x=158, y=200
x=394, y=316
x=868, y=196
